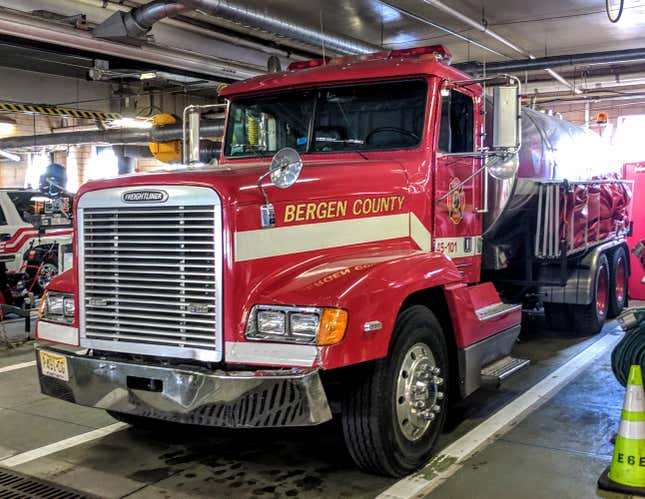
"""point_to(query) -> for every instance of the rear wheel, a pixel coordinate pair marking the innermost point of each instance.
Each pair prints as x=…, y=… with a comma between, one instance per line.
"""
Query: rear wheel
x=617, y=283
x=394, y=412
x=589, y=319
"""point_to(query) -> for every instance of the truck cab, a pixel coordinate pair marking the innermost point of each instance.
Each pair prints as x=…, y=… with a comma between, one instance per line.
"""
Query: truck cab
x=329, y=266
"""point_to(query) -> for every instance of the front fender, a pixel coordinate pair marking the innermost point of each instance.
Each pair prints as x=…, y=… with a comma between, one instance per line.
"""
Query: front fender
x=64, y=282
x=64, y=334
x=371, y=287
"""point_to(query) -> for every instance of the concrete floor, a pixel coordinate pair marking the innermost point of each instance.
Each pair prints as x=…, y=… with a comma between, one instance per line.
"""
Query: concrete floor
x=557, y=451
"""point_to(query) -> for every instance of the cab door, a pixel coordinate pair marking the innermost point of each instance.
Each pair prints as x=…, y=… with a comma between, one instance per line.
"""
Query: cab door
x=458, y=194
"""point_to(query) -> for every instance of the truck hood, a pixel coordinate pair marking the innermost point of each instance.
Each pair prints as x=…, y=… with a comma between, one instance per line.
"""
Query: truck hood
x=342, y=186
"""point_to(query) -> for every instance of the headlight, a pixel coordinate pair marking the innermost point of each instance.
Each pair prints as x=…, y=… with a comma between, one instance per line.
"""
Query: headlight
x=57, y=307
x=315, y=325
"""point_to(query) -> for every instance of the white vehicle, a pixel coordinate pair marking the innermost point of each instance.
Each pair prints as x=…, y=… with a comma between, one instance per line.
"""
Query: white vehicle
x=29, y=222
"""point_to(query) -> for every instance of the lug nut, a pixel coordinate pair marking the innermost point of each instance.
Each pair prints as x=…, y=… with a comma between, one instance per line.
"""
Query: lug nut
x=420, y=387
x=420, y=404
x=436, y=370
x=428, y=416
x=439, y=395
x=437, y=380
x=435, y=408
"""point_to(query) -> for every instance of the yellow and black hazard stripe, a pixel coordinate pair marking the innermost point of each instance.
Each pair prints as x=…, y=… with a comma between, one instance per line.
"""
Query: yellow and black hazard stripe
x=58, y=111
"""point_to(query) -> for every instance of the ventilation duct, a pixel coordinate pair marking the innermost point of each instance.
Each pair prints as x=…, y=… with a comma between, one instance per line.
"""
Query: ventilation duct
x=608, y=57
x=131, y=27
x=210, y=128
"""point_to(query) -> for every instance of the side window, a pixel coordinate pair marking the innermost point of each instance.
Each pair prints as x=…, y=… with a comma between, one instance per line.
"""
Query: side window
x=3, y=219
x=456, y=127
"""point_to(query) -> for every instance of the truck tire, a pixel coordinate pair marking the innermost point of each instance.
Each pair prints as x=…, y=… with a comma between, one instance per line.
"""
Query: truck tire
x=558, y=316
x=617, y=282
x=395, y=409
x=589, y=319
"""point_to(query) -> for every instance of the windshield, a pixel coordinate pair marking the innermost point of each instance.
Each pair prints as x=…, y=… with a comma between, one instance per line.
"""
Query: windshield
x=364, y=117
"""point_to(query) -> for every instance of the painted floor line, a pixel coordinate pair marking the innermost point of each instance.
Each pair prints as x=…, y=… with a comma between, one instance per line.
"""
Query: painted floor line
x=450, y=460
x=22, y=365
x=32, y=455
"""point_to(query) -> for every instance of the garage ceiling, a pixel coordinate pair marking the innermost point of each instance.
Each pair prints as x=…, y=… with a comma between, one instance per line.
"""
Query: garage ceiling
x=547, y=27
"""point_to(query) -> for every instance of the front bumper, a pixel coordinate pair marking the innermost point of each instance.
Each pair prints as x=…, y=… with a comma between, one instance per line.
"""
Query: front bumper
x=240, y=399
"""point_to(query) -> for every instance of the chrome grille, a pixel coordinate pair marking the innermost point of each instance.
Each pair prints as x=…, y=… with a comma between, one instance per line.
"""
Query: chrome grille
x=150, y=275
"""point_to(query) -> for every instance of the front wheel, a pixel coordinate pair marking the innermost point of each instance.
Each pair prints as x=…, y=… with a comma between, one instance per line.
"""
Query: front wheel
x=393, y=413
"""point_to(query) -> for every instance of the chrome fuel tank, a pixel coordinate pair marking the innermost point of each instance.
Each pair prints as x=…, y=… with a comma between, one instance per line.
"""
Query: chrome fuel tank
x=552, y=148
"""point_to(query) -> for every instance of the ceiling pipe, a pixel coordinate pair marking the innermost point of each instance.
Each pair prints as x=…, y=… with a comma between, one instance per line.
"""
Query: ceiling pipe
x=133, y=26
x=423, y=20
x=31, y=28
x=504, y=41
x=607, y=57
x=200, y=27
x=567, y=100
x=147, y=15
x=210, y=128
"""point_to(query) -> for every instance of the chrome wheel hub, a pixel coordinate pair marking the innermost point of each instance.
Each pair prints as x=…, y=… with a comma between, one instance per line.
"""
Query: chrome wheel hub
x=418, y=392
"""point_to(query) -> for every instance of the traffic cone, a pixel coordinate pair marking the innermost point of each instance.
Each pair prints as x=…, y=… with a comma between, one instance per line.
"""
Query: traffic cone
x=626, y=474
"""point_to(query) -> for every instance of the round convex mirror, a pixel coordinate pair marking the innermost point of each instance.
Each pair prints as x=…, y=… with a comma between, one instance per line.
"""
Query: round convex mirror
x=286, y=166
x=504, y=167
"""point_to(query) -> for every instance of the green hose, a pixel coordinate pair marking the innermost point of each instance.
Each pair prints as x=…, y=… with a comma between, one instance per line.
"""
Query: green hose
x=631, y=349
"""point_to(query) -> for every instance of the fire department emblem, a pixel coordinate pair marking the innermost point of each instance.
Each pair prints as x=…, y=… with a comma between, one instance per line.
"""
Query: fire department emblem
x=456, y=201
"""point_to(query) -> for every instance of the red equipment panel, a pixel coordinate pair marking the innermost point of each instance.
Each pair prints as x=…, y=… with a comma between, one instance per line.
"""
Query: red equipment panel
x=636, y=172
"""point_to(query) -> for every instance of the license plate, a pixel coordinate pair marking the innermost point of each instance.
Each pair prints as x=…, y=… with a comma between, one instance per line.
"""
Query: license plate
x=53, y=365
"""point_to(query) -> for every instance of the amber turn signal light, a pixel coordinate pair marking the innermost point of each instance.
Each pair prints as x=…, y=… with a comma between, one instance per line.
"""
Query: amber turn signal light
x=333, y=324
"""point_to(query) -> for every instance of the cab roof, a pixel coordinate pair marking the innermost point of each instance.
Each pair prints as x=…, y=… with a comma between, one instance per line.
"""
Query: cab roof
x=381, y=66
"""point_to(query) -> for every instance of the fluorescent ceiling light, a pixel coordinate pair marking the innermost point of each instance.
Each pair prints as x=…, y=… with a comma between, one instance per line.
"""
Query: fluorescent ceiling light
x=148, y=76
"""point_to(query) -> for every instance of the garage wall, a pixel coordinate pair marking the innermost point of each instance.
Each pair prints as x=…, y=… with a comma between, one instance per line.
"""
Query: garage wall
x=18, y=85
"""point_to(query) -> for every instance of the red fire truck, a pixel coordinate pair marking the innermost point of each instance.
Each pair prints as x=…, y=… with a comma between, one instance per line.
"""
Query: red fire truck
x=361, y=251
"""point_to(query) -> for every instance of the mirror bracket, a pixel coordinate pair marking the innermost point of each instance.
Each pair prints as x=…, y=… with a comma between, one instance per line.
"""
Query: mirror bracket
x=284, y=171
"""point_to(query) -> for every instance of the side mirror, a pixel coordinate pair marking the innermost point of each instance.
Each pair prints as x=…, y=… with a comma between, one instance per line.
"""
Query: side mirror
x=507, y=129
x=506, y=118
x=285, y=169
x=503, y=167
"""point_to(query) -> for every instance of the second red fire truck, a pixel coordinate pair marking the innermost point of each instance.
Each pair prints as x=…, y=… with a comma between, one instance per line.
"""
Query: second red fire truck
x=361, y=251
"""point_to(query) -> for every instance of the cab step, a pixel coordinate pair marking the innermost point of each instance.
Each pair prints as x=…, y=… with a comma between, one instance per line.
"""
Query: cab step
x=495, y=310
x=498, y=371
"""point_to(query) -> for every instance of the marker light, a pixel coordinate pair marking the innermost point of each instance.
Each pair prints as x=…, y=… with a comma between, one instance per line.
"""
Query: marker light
x=312, y=63
x=333, y=325
x=439, y=52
